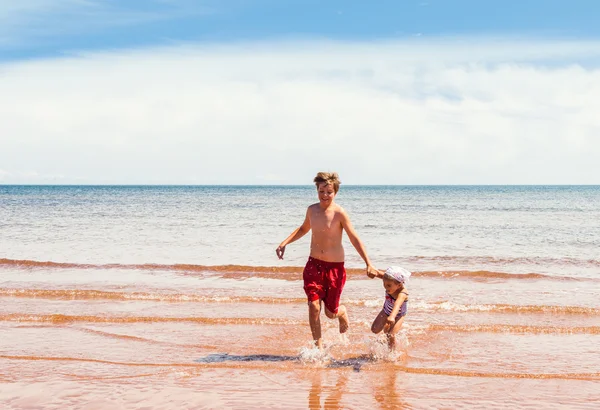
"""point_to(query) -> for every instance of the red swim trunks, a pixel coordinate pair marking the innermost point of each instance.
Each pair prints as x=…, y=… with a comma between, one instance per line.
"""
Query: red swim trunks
x=325, y=281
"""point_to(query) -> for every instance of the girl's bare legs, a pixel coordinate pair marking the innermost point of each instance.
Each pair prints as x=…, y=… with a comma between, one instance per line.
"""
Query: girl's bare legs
x=380, y=323
x=391, y=333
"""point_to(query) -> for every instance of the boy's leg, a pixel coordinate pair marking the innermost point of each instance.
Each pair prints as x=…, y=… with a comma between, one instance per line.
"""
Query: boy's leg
x=342, y=317
x=313, y=287
x=335, y=278
x=314, y=319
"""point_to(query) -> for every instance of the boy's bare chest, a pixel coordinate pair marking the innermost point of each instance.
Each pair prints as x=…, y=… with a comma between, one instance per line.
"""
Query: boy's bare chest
x=325, y=220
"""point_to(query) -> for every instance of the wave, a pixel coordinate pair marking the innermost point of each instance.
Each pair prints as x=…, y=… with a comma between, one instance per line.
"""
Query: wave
x=119, y=336
x=505, y=308
x=65, y=319
x=86, y=360
x=128, y=338
x=469, y=373
x=27, y=264
x=499, y=328
x=83, y=294
x=492, y=328
x=493, y=260
x=260, y=363
x=272, y=272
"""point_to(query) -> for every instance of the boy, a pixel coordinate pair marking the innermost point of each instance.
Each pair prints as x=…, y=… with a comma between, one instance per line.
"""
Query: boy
x=324, y=274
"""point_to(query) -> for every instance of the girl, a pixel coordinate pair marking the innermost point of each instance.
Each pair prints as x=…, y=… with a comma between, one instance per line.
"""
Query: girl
x=391, y=317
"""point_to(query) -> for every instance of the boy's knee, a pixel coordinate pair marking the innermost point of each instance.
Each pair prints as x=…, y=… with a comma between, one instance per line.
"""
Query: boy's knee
x=341, y=310
x=314, y=306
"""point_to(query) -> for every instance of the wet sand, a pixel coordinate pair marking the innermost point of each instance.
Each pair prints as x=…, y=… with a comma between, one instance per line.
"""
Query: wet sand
x=123, y=337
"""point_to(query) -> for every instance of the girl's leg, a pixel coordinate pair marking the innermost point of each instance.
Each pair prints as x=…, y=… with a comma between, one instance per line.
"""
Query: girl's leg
x=391, y=333
x=379, y=322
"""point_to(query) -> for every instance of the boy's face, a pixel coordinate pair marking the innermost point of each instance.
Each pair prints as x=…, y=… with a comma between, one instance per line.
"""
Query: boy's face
x=326, y=193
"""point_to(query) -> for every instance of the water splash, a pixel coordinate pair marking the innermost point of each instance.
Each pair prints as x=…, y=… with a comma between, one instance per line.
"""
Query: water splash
x=379, y=350
x=312, y=355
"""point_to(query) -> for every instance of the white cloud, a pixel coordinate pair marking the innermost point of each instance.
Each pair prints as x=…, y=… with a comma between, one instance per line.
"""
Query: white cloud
x=407, y=112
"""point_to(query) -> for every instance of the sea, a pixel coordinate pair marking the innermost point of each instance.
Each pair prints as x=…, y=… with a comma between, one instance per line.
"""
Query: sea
x=172, y=297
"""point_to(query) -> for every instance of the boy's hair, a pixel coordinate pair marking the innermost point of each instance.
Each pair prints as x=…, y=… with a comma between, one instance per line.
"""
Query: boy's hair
x=330, y=178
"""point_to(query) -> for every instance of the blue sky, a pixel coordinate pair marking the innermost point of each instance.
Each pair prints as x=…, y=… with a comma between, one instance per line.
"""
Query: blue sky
x=34, y=28
x=266, y=91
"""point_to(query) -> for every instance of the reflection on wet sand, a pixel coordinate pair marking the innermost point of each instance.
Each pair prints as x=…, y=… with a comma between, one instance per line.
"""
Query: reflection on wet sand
x=334, y=396
x=387, y=392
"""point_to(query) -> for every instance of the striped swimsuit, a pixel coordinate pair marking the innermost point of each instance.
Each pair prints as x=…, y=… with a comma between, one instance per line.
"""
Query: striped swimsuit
x=388, y=305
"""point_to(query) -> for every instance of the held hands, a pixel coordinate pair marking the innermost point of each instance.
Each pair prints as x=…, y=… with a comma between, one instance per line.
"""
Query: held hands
x=372, y=272
x=280, y=251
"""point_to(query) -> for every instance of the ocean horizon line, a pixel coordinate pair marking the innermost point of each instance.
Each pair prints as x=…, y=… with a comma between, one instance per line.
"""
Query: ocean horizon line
x=297, y=185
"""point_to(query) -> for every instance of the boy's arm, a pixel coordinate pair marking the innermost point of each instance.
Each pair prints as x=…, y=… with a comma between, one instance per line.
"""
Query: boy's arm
x=294, y=236
x=357, y=243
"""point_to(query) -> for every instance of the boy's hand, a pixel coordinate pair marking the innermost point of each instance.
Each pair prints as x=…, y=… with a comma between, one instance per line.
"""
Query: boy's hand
x=371, y=271
x=390, y=323
x=280, y=251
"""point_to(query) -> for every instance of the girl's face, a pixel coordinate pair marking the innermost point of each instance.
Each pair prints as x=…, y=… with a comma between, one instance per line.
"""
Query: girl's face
x=391, y=286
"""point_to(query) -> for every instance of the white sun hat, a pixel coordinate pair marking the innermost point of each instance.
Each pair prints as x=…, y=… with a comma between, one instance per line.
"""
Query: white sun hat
x=397, y=273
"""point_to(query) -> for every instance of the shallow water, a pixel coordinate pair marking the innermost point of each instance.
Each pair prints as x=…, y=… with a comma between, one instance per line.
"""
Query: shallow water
x=135, y=298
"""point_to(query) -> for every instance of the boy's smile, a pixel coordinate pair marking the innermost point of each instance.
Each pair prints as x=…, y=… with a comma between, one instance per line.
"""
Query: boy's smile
x=326, y=193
